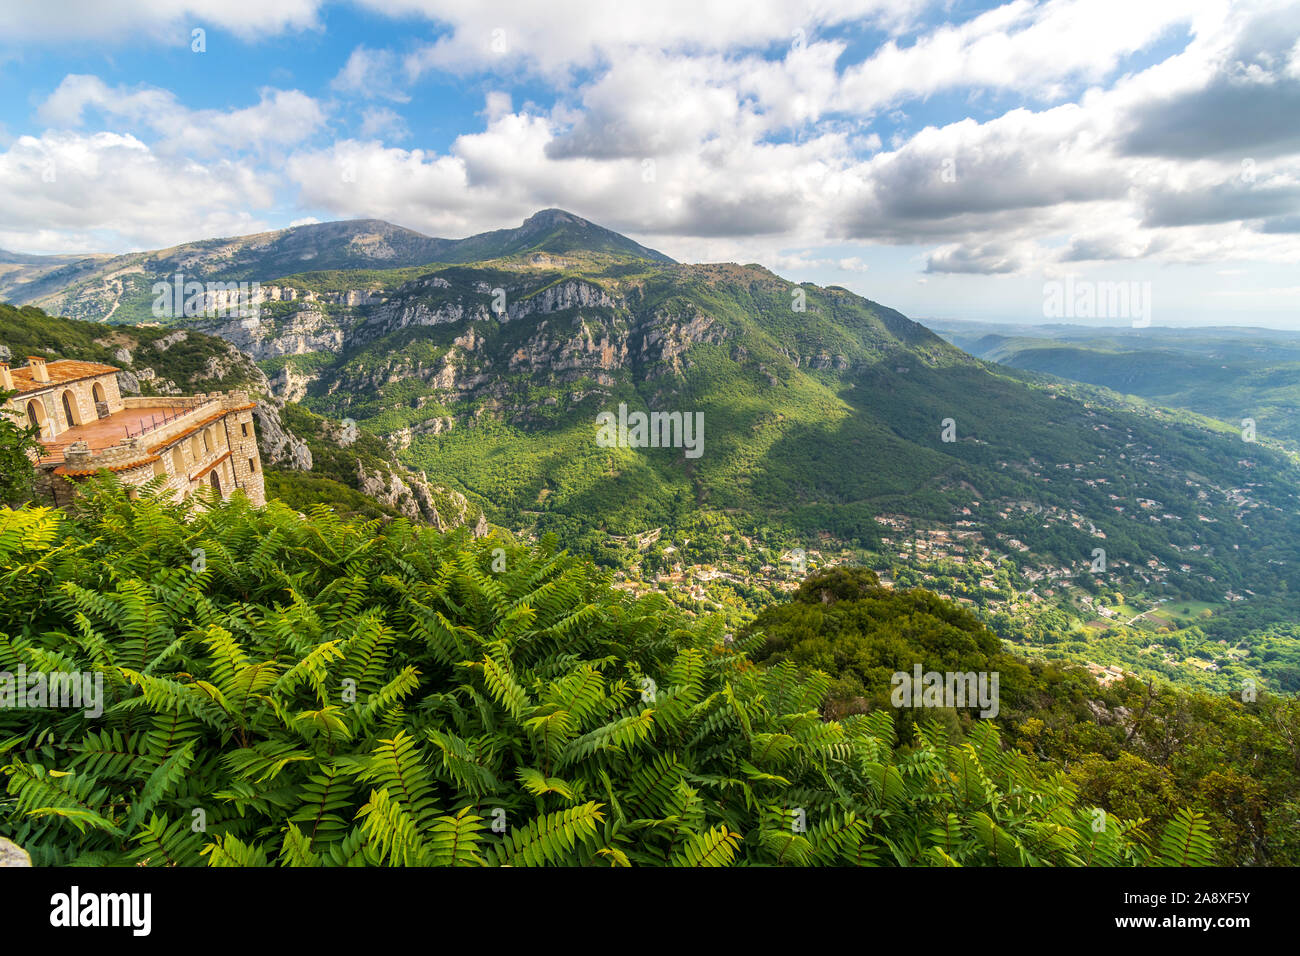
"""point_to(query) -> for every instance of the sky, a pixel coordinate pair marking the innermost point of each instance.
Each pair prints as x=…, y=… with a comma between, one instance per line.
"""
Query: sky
x=953, y=160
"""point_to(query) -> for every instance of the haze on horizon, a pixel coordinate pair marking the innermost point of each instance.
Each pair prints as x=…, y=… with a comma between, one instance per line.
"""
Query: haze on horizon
x=946, y=159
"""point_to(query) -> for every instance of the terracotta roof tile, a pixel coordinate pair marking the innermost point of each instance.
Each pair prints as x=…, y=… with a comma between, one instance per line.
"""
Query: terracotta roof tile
x=84, y=472
x=61, y=373
x=209, y=466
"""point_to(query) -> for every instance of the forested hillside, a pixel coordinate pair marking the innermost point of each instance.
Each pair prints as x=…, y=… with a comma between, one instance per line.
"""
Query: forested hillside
x=1134, y=748
x=1226, y=373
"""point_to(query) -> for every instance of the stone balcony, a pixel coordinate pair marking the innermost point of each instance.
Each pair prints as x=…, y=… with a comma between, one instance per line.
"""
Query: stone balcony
x=141, y=422
x=137, y=432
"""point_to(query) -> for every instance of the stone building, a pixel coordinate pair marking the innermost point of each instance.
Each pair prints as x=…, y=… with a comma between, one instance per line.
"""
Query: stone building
x=87, y=426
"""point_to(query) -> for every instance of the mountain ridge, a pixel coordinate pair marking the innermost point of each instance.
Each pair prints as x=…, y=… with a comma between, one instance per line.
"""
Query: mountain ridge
x=99, y=286
x=834, y=426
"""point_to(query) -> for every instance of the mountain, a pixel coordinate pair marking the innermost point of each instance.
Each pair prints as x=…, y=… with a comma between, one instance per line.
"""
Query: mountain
x=1079, y=522
x=120, y=287
x=823, y=422
x=551, y=230
x=1225, y=373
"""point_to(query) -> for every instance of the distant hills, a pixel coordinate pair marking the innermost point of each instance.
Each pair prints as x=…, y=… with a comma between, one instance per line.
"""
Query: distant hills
x=100, y=287
x=1226, y=373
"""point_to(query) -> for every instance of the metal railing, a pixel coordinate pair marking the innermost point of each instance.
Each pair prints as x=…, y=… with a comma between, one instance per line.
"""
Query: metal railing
x=155, y=423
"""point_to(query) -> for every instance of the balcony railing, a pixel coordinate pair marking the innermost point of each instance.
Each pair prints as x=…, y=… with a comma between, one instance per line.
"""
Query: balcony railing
x=155, y=422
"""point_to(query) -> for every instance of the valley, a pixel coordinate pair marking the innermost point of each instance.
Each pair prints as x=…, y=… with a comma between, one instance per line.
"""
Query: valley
x=1068, y=517
x=1227, y=373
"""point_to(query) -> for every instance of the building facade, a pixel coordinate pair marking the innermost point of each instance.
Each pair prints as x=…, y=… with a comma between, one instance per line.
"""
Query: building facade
x=86, y=426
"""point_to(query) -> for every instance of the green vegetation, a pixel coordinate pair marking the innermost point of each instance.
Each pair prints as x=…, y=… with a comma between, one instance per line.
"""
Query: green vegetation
x=307, y=362
x=1134, y=749
x=1226, y=373
x=340, y=454
x=198, y=362
x=329, y=458
x=18, y=441
x=320, y=692
x=301, y=490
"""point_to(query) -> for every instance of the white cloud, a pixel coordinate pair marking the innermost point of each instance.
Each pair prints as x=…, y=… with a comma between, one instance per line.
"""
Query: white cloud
x=384, y=123
x=373, y=74
x=562, y=35
x=57, y=21
x=280, y=118
x=85, y=190
x=1030, y=49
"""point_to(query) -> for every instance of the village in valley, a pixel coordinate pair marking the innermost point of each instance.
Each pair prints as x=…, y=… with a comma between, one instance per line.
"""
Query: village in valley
x=1115, y=617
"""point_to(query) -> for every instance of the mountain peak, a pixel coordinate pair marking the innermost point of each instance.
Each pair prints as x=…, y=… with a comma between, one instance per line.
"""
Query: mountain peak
x=59, y=282
x=556, y=231
x=552, y=216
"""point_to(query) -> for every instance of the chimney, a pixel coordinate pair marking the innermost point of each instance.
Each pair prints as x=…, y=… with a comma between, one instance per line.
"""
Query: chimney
x=39, y=372
x=6, y=380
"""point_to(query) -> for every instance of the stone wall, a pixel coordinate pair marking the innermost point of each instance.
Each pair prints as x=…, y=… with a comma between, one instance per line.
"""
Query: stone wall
x=215, y=437
x=245, y=459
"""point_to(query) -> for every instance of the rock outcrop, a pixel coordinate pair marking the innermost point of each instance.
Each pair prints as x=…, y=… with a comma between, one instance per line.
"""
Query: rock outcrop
x=280, y=447
x=11, y=854
x=413, y=497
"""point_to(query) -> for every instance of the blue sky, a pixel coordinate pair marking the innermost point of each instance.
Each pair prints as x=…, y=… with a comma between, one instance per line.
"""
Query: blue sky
x=947, y=159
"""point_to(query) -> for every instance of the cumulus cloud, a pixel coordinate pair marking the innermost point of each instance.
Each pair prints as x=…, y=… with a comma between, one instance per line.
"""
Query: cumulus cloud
x=1225, y=202
x=86, y=187
x=1240, y=99
x=384, y=123
x=1107, y=245
x=280, y=118
x=558, y=37
x=373, y=74
x=990, y=258
x=1033, y=49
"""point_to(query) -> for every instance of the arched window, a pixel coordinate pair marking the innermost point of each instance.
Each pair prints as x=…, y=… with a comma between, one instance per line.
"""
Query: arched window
x=207, y=440
x=37, y=416
x=69, y=404
x=101, y=400
x=214, y=481
x=178, y=464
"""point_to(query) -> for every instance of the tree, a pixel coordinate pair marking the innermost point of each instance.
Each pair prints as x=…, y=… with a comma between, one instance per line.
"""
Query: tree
x=18, y=444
